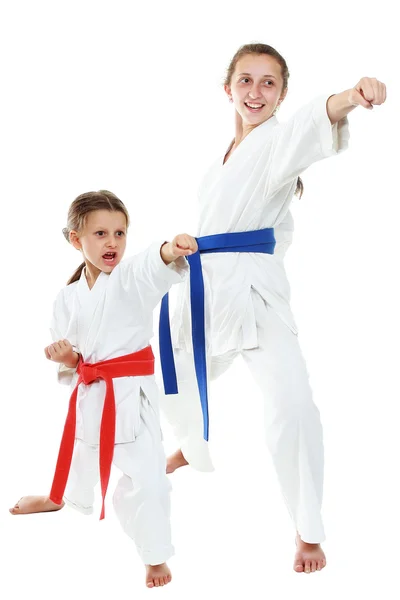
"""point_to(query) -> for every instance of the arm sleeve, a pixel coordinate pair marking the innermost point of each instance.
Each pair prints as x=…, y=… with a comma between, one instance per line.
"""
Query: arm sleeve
x=307, y=137
x=58, y=329
x=149, y=277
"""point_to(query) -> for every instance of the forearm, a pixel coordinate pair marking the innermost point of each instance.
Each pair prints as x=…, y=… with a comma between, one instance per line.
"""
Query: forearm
x=339, y=106
x=166, y=253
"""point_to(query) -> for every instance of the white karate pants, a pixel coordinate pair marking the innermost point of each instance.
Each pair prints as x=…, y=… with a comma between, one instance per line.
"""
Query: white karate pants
x=142, y=496
x=292, y=421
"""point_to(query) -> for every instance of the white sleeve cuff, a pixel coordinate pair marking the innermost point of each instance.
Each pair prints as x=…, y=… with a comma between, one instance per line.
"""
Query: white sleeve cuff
x=65, y=374
x=333, y=138
x=176, y=271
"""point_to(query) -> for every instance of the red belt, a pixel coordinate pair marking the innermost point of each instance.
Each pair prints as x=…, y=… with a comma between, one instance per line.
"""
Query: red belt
x=130, y=365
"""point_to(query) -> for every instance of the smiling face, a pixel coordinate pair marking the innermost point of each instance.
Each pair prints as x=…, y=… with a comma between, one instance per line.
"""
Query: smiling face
x=102, y=240
x=256, y=88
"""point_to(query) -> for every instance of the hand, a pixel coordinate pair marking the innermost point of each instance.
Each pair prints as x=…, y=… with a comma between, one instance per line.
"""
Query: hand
x=62, y=352
x=367, y=92
x=182, y=245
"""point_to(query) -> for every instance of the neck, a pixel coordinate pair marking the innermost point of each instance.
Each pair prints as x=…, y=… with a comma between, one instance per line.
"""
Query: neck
x=242, y=130
x=91, y=273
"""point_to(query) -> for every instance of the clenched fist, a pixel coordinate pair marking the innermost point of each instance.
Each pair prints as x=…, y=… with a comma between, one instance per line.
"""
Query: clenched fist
x=367, y=92
x=62, y=352
x=182, y=245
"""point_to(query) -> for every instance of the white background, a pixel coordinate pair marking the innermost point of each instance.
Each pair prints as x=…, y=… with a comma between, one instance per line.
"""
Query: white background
x=127, y=96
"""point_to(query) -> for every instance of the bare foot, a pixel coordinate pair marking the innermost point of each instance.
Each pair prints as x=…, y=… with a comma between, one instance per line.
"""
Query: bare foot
x=175, y=461
x=34, y=504
x=309, y=557
x=157, y=575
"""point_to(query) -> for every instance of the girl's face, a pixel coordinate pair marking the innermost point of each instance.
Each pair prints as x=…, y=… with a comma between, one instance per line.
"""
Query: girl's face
x=256, y=88
x=103, y=239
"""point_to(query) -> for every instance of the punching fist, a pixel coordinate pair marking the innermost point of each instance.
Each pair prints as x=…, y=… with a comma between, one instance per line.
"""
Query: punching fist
x=367, y=92
x=62, y=352
x=182, y=245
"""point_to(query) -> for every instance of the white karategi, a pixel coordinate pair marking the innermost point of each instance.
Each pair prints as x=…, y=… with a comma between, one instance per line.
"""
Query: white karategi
x=113, y=319
x=247, y=308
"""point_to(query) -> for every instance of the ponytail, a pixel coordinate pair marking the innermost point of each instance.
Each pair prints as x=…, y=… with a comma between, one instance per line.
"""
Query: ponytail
x=76, y=276
x=299, y=188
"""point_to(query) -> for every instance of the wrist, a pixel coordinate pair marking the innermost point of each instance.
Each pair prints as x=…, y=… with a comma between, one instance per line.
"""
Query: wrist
x=166, y=253
x=72, y=363
x=340, y=105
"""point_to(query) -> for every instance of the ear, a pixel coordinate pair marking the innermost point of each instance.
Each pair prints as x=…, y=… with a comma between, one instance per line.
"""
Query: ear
x=283, y=96
x=228, y=91
x=74, y=240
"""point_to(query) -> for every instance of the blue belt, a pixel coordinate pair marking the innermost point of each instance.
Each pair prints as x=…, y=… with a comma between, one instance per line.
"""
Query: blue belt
x=261, y=240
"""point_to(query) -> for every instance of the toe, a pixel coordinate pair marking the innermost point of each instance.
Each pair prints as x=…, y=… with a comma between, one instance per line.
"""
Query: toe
x=313, y=566
x=15, y=510
x=150, y=584
x=157, y=582
x=307, y=566
x=298, y=567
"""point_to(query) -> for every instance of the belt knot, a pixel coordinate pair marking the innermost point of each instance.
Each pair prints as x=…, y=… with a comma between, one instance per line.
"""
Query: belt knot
x=89, y=373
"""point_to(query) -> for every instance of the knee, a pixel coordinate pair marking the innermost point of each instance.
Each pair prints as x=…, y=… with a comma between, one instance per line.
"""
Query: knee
x=290, y=411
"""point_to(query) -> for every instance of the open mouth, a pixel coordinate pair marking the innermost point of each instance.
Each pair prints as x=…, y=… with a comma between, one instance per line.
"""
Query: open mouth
x=109, y=257
x=254, y=106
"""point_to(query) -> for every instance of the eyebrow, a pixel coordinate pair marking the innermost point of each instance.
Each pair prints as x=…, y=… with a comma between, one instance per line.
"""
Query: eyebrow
x=249, y=74
x=105, y=228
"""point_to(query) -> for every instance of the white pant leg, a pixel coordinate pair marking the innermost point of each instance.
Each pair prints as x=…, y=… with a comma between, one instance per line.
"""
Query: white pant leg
x=292, y=421
x=83, y=477
x=142, y=496
x=183, y=410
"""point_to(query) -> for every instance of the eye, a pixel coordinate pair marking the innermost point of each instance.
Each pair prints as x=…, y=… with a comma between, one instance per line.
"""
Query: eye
x=120, y=233
x=99, y=233
x=270, y=83
x=244, y=80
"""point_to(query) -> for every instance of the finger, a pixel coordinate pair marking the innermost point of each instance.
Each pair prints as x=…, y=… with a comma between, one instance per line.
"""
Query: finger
x=188, y=241
x=366, y=88
x=185, y=240
x=193, y=244
x=376, y=92
x=52, y=351
x=185, y=243
x=47, y=354
x=381, y=92
x=357, y=99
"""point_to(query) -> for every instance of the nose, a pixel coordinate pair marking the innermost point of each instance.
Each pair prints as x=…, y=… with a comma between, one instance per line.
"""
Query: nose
x=111, y=242
x=255, y=91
